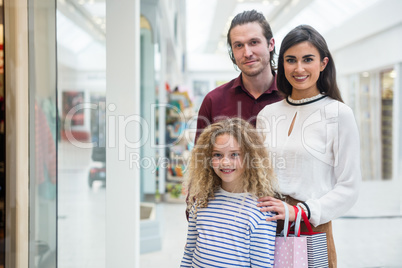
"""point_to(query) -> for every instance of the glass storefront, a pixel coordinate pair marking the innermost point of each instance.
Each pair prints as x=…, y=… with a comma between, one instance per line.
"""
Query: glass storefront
x=44, y=135
x=67, y=139
x=373, y=105
x=81, y=51
x=2, y=145
x=387, y=96
x=368, y=103
x=367, y=128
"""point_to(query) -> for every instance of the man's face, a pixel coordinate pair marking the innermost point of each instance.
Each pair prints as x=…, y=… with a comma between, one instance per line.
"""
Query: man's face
x=250, y=49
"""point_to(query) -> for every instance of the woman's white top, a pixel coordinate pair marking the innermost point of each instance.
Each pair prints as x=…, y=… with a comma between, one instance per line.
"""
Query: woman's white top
x=319, y=161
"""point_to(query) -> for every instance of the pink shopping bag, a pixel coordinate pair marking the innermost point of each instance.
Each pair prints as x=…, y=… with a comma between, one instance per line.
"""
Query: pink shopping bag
x=291, y=251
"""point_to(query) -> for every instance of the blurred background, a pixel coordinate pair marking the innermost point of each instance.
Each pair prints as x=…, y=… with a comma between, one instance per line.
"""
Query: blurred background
x=182, y=55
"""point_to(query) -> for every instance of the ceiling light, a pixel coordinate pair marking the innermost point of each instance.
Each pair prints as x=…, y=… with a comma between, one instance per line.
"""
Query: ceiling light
x=277, y=2
x=265, y=2
x=294, y=2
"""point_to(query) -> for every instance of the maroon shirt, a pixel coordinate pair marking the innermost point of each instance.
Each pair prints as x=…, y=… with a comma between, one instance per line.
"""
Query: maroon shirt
x=233, y=100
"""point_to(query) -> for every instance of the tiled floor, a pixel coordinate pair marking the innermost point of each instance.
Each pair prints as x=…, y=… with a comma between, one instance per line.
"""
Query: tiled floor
x=371, y=235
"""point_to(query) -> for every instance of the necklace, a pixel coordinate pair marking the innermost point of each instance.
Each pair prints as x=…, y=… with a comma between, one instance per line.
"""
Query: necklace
x=306, y=100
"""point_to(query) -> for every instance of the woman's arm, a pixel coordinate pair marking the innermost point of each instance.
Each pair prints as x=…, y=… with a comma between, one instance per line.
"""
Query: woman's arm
x=346, y=172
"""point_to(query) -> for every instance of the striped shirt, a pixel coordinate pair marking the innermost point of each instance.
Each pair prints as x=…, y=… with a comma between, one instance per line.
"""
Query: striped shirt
x=230, y=232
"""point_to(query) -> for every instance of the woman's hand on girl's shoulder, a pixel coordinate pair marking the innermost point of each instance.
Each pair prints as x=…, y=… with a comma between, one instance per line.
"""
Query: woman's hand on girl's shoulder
x=275, y=206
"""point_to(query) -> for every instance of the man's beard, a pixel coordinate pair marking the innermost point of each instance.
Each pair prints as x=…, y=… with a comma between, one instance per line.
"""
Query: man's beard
x=256, y=71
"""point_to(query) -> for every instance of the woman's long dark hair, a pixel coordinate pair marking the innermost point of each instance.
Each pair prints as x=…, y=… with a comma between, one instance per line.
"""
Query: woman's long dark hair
x=326, y=82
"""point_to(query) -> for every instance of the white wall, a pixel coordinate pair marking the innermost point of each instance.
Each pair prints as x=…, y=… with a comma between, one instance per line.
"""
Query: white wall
x=369, y=41
x=376, y=52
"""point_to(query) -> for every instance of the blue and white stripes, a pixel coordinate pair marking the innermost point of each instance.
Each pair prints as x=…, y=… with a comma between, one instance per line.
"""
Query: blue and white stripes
x=230, y=232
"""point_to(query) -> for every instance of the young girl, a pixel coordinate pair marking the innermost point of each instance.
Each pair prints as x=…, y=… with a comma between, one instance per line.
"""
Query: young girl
x=316, y=134
x=229, y=169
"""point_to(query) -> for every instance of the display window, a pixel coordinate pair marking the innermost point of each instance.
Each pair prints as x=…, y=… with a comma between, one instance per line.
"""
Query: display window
x=387, y=100
x=373, y=105
x=44, y=134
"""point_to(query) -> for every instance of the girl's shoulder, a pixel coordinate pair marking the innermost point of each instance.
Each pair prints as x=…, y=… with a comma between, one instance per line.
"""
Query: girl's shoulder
x=252, y=201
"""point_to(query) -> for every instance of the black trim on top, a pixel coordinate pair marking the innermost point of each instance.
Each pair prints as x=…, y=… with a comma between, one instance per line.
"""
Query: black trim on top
x=304, y=103
x=308, y=210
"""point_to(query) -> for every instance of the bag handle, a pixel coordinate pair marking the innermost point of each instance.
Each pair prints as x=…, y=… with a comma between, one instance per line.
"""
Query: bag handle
x=286, y=225
x=298, y=212
x=305, y=219
x=285, y=230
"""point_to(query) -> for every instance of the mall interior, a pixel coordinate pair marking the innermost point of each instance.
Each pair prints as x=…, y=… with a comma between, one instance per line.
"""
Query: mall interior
x=99, y=102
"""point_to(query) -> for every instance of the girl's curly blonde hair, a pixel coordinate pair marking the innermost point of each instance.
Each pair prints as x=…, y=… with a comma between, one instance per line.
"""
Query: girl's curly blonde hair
x=259, y=178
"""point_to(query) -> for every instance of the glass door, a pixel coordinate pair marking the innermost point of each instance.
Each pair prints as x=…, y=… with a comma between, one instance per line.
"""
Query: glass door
x=81, y=83
x=43, y=134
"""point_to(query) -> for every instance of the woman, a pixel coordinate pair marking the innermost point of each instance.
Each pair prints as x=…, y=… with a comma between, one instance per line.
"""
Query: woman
x=312, y=136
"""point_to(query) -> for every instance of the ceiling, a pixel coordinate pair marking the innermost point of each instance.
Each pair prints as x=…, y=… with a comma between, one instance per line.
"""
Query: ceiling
x=283, y=15
x=207, y=20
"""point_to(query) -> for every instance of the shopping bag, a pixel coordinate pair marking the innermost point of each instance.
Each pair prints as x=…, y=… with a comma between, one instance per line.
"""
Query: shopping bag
x=291, y=253
x=300, y=249
x=317, y=252
x=291, y=250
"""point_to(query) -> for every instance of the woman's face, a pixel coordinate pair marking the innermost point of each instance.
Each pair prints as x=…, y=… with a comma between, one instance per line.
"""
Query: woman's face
x=302, y=66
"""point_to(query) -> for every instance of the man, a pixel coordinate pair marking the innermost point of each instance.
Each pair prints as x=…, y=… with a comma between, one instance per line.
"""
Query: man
x=252, y=47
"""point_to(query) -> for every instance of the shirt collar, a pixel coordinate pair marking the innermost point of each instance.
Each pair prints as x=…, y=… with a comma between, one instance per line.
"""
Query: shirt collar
x=238, y=83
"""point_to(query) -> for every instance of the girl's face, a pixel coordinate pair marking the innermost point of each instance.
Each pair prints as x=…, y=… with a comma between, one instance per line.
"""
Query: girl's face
x=227, y=162
x=302, y=66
